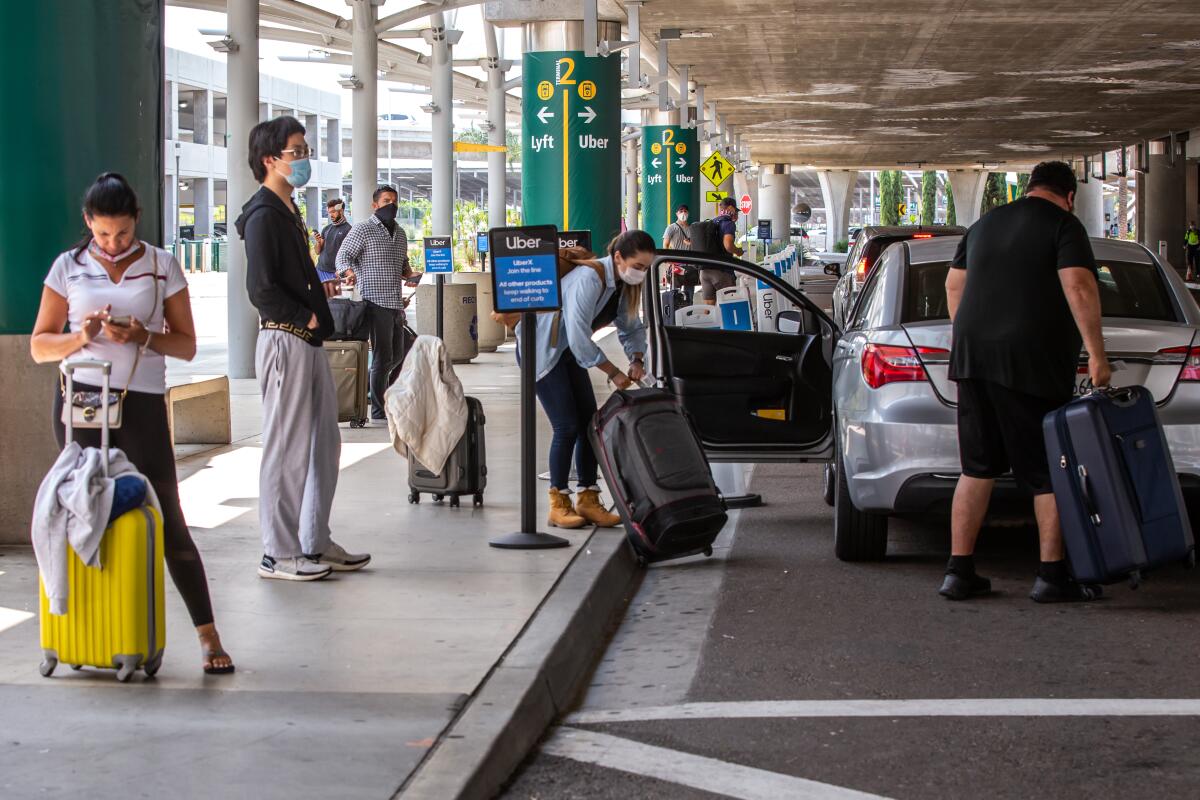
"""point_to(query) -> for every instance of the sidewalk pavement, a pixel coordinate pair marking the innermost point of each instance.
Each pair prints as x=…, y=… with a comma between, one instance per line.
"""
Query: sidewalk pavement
x=342, y=686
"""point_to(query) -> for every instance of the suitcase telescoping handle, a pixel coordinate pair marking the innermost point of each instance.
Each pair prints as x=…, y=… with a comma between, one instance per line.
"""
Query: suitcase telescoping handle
x=105, y=368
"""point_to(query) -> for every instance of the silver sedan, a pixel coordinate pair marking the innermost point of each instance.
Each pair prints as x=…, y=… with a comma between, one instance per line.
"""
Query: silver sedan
x=894, y=405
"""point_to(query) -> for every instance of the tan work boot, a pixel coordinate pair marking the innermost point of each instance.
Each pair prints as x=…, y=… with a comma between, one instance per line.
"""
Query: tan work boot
x=589, y=508
x=562, y=513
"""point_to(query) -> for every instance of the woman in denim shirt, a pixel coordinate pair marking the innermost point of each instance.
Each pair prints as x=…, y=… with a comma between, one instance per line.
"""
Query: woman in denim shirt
x=598, y=292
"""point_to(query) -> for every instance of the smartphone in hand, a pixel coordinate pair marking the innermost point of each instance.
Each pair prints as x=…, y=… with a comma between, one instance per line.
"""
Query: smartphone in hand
x=125, y=321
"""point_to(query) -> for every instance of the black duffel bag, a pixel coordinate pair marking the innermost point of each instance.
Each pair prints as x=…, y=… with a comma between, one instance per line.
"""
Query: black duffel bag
x=350, y=320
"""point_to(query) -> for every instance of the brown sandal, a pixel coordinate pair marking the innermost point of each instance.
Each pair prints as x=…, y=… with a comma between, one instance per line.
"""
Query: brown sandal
x=212, y=655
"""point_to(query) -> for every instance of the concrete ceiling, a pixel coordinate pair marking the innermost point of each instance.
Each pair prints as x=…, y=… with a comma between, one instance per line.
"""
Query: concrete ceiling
x=945, y=82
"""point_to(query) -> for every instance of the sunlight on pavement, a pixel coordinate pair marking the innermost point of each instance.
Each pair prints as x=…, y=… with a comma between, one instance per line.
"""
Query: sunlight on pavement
x=234, y=475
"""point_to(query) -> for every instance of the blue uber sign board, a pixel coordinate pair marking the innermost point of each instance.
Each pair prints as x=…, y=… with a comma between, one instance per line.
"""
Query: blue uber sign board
x=525, y=269
x=481, y=242
x=439, y=255
x=764, y=230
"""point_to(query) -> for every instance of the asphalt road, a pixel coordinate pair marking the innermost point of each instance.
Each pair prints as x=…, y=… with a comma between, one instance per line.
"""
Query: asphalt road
x=780, y=619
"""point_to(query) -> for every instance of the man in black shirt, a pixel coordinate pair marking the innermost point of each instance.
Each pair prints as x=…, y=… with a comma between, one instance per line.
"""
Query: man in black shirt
x=1023, y=296
x=329, y=240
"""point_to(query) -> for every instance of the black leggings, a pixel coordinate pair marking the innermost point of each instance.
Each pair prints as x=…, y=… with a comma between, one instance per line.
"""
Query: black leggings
x=146, y=442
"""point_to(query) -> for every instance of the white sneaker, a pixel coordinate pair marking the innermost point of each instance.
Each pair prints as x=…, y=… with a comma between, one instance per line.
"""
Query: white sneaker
x=292, y=569
x=337, y=559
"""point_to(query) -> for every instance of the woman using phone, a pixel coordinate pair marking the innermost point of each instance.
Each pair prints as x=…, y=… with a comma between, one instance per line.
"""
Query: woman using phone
x=126, y=301
x=598, y=292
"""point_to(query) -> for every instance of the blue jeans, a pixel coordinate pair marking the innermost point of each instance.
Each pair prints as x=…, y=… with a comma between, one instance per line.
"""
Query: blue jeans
x=567, y=397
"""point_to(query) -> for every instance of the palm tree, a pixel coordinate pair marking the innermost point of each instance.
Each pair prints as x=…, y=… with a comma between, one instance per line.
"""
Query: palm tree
x=928, y=197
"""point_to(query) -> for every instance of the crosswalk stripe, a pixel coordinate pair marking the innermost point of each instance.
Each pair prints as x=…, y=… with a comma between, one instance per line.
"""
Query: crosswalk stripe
x=686, y=769
x=798, y=709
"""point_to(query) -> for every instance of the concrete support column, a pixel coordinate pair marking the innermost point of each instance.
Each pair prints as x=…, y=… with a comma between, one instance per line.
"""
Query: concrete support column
x=968, y=186
x=243, y=110
x=838, y=190
x=497, y=135
x=202, y=116
x=312, y=134
x=202, y=206
x=1089, y=205
x=333, y=149
x=442, y=91
x=775, y=198
x=365, y=66
x=312, y=207
x=1161, y=207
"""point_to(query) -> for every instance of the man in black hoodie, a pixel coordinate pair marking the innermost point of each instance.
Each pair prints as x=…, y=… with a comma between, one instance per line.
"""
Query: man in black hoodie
x=301, y=441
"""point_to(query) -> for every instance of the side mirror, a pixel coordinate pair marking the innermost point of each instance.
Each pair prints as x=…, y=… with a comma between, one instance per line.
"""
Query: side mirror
x=832, y=269
x=789, y=321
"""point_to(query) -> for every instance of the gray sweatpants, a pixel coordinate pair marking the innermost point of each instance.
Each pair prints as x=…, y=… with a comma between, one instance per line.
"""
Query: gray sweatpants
x=301, y=445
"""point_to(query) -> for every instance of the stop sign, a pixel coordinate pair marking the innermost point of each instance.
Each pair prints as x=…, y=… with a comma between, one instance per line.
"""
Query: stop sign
x=745, y=204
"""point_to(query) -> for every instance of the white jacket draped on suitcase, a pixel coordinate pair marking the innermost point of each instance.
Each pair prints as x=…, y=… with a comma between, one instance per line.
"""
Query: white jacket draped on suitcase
x=426, y=409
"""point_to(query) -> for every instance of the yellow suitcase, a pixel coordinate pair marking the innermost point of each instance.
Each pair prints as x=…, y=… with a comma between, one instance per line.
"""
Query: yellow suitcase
x=116, y=615
x=116, y=612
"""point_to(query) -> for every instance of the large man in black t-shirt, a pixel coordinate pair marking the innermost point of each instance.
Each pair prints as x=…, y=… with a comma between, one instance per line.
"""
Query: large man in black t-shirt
x=1023, y=297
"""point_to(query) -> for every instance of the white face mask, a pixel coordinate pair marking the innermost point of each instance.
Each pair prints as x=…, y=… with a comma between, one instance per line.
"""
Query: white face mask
x=633, y=276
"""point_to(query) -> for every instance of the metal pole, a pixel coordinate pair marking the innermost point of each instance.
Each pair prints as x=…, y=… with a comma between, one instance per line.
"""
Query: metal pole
x=497, y=115
x=242, y=110
x=441, y=86
x=528, y=423
x=365, y=65
x=631, y=184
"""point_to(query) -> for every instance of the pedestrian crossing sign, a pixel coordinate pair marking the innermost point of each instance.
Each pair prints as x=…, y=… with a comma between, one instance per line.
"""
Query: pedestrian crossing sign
x=716, y=168
x=715, y=197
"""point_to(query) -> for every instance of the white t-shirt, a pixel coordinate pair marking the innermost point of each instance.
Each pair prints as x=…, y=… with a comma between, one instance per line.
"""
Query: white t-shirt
x=87, y=288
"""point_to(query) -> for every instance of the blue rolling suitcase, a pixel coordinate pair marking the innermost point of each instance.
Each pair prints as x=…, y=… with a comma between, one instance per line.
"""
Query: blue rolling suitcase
x=1118, y=495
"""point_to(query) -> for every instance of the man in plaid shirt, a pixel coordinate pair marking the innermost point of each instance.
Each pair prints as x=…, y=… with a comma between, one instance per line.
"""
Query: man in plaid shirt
x=374, y=255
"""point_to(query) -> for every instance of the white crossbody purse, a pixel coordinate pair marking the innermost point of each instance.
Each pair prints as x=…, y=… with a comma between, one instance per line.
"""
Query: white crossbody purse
x=84, y=408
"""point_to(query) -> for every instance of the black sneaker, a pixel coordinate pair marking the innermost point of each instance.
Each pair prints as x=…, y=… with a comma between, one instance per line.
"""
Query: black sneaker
x=960, y=587
x=1070, y=592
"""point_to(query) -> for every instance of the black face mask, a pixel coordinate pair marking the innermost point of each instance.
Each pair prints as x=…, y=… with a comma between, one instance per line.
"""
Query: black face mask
x=386, y=213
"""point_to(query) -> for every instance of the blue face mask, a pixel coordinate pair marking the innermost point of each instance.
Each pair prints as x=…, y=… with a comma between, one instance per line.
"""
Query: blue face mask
x=301, y=172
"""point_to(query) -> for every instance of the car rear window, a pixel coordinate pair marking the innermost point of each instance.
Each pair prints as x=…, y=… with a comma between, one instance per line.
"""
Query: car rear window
x=925, y=293
x=1127, y=289
x=1135, y=291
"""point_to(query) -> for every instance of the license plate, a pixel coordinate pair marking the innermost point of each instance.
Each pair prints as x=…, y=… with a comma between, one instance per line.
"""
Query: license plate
x=1083, y=383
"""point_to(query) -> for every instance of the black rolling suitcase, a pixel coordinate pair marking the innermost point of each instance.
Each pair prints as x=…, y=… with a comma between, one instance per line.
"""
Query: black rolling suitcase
x=1118, y=495
x=465, y=472
x=655, y=467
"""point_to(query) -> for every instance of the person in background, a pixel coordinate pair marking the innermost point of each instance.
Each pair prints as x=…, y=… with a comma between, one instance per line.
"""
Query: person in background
x=301, y=443
x=329, y=240
x=596, y=293
x=1031, y=257
x=715, y=279
x=126, y=302
x=375, y=256
x=1191, y=240
x=678, y=236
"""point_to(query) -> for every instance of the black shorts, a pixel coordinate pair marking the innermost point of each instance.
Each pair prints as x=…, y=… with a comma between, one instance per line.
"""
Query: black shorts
x=1000, y=429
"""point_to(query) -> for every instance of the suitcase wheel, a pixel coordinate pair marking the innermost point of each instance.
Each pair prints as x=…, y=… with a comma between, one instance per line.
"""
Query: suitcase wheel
x=437, y=498
x=708, y=552
x=126, y=670
x=454, y=501
x=47, y=667
x=641, y=561
x=77, y=667
x=1135, y=579
x=479, y=502
x=152, y=665
x=414, y=497
x=358, y=423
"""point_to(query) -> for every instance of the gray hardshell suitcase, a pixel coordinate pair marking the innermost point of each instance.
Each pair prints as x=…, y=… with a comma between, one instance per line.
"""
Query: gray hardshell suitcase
x=465, y=472
x=348, y=362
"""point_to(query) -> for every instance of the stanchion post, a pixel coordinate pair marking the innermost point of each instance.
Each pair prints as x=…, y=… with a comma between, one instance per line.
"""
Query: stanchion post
x=440, y=280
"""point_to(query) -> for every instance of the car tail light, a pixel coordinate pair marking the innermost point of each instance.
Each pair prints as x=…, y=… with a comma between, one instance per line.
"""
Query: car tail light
x=1191, y=361
x=922, y=235
x=860, y=270
x=884, y=363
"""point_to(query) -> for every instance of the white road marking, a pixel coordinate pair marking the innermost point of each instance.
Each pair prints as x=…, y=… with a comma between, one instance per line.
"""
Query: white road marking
x=11, y=617
x=799, y=709
x=685, y=769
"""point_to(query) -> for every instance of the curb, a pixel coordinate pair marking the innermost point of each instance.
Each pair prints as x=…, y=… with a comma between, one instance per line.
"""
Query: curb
x=536, y=681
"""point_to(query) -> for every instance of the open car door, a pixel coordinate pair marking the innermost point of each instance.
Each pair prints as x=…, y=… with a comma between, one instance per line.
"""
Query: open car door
x=755, y=371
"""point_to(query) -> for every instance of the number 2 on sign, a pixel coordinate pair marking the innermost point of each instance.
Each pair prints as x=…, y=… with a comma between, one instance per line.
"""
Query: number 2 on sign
x=564, y=69
x=668, y=137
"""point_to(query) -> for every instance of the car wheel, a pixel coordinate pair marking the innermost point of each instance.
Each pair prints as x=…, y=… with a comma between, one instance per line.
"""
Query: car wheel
x=857, y=535
x=828, y=487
